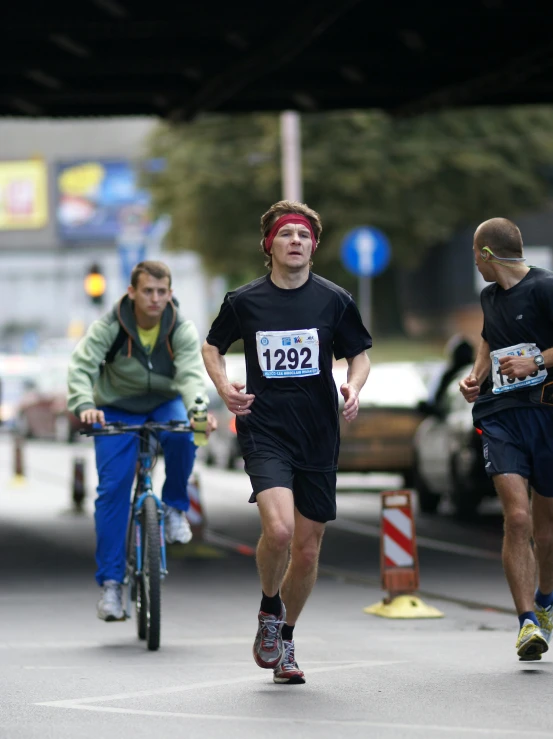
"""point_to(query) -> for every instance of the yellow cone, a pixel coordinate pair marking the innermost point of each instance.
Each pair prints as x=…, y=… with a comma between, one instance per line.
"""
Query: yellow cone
x=403, y=606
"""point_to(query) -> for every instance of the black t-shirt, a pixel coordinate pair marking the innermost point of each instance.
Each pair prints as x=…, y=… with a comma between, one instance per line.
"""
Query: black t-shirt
x=295, y=411
x=522, y=314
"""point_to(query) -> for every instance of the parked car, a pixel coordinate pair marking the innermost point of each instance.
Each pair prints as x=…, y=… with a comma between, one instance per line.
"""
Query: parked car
x=42, y=411
x=448, y=459
x=381, y=438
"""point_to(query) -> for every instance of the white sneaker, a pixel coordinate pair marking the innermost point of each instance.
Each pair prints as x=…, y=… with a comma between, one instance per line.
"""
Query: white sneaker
x=177, y=528
x=110, y=605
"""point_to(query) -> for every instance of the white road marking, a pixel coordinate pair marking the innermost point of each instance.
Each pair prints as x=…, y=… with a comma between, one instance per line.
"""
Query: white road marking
x=166, y=665
x=168, y=643
x=80, y=703
x=367, y=529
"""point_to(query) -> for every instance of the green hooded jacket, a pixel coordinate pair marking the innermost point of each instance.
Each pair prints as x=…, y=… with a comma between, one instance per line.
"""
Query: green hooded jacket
x=135, y=381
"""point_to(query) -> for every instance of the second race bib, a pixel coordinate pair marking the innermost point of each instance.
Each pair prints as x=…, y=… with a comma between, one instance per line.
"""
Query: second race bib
x=288, y=353
x=501, y=383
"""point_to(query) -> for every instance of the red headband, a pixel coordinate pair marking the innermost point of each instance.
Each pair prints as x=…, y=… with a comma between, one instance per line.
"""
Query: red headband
x=290, y=218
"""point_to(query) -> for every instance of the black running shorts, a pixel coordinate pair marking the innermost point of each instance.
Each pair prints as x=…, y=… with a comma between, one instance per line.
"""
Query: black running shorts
x=314, y=492
x=520, y=441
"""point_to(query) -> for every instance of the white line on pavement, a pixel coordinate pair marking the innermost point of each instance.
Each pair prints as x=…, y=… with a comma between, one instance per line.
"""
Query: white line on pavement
x=408, y=729
x=79, y=703
x=185, y=642
x=167, y=665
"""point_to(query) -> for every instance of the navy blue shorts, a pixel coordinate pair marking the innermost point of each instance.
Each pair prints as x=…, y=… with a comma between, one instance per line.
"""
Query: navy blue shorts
x=520, y=441
x=314, y=492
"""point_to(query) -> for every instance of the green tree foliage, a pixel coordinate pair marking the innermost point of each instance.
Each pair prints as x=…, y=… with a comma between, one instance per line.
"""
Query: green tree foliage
x=419, y=179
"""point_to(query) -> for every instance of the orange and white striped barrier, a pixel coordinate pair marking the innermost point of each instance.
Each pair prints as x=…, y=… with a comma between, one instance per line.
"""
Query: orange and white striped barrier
x=195, y=513
x=399, y=562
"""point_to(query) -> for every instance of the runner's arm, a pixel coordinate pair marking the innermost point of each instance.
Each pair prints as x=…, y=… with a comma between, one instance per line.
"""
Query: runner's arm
x=216, y=367
x=482, y=362
x=470, y=385
x=358, y=371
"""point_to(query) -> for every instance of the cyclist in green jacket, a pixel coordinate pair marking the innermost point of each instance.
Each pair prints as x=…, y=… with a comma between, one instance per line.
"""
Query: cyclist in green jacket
x=140, y=362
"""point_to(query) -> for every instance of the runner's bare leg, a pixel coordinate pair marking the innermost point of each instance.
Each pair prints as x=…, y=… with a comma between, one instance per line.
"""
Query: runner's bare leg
x=518, y=557
x=301, y=574
x=276, y=508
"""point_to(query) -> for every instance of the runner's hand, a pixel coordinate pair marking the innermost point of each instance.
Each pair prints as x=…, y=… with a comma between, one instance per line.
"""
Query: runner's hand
x=351, y=406
x=236, y=401
x=211, y=424
x=93, y=415
x=469, y=388
x=516, y=367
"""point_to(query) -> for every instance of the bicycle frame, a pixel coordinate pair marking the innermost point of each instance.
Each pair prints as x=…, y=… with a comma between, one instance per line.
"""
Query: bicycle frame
x=143, y=490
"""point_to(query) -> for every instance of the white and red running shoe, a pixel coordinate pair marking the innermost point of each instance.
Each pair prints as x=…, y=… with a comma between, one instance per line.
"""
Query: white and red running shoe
x=268, y=649
x=288, y=670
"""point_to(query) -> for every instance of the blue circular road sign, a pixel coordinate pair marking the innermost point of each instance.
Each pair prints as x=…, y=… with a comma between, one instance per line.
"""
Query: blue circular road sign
x=365, y=251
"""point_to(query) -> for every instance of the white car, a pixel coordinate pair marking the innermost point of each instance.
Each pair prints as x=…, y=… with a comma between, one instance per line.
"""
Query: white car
x=448, y=459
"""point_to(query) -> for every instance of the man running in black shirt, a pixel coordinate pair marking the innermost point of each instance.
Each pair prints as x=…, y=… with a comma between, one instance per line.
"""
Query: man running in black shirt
x=292, y=322
x=512, y=384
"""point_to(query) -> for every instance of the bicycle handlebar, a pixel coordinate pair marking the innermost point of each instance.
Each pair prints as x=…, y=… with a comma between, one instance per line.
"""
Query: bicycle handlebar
x=119, y=427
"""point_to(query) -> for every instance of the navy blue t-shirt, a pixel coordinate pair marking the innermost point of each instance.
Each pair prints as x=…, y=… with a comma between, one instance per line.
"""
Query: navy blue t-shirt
x=522, y=314
x=295, y=417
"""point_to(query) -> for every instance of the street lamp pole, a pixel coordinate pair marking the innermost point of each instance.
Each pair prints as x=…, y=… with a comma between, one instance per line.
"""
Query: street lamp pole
x=290, y=145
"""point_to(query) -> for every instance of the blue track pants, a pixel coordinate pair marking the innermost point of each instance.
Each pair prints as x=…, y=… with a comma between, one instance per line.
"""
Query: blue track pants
x=116, y=462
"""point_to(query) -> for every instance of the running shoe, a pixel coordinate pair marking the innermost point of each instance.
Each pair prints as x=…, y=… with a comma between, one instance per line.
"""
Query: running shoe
x=177, y=528
x=288, y=671
x=545, y=617
x=110, y=605
x=531, y=643
x=268, y=649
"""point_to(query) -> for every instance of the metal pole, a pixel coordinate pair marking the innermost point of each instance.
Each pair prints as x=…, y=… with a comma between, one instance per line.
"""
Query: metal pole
x=365, y=301
x=290, y=145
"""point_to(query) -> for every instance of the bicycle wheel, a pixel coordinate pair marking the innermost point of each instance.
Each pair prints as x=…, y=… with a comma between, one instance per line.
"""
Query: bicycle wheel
x=148, y=601
x=135, y=583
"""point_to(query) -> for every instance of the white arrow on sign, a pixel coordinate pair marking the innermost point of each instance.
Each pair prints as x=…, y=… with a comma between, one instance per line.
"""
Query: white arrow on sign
x=366, y=247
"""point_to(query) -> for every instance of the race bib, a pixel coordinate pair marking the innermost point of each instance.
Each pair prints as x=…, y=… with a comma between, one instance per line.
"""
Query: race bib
x=288, y=353
x=501, y=383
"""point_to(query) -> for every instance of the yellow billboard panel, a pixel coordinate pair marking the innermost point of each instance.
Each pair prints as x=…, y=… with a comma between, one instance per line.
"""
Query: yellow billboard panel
x=23, y=194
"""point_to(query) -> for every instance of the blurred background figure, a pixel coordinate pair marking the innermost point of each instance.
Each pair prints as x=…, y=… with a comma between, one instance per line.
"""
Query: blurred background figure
x=459, y=352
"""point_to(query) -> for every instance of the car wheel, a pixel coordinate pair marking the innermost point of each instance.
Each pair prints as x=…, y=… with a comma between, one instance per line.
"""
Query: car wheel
x=465, y=493
x=428, y=500
x=62, y=429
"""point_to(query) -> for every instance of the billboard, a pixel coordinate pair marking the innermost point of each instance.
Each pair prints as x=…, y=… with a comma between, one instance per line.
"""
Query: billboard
x=94, y=197
x=23, y=195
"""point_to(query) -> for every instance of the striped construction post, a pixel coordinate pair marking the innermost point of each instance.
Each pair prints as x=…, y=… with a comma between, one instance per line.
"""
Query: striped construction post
x=195, y=513
x=399, y=564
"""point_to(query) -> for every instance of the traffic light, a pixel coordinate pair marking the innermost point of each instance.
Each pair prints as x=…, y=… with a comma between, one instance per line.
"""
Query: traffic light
x=95, y=285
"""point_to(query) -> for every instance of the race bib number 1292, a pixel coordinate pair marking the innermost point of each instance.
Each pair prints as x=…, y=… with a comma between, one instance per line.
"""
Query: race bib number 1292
x=288, y=353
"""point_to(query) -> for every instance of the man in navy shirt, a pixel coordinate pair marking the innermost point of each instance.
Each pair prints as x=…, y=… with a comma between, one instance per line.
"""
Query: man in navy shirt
x=292, y=323
x=512, y=386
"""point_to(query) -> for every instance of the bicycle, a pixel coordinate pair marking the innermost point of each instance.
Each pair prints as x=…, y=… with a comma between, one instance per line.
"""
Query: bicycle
x=146, y=553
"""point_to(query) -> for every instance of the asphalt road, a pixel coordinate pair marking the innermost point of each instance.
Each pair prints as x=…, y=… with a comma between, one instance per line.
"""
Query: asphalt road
x=64, y=673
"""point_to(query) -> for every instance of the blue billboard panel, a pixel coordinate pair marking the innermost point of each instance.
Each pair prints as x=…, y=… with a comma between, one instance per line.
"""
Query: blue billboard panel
x=93, y=197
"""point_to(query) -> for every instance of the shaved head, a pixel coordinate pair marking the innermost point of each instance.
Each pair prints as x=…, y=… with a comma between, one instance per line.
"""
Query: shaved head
x=501, y=236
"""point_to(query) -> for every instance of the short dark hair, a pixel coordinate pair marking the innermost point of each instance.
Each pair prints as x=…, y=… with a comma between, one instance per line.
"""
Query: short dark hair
x=283, y=208
x=500, y=235
x=159, y=270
